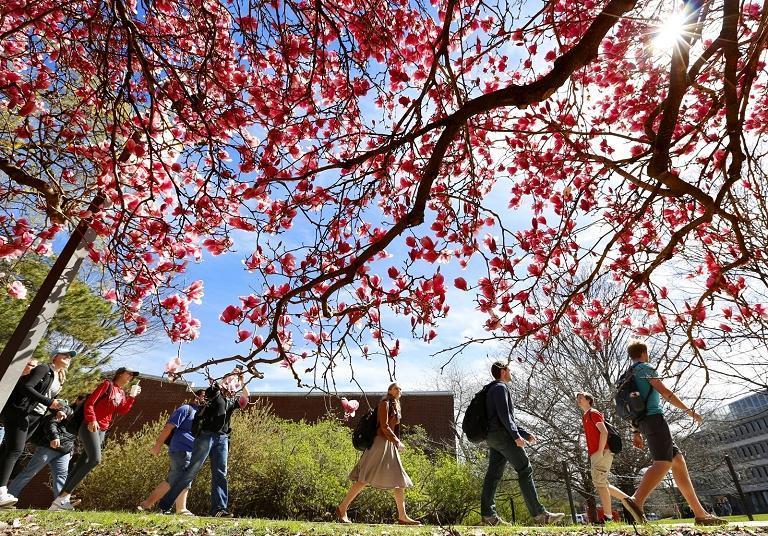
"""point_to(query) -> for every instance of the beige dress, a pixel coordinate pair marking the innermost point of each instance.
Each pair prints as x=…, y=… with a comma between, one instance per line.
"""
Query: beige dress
x=380, y=465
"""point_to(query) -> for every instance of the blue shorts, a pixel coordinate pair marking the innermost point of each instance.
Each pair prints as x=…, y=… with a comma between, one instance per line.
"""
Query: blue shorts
x=179, y=464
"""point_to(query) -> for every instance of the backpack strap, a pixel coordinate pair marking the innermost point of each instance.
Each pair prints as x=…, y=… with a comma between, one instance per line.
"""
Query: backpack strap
x=650, y=385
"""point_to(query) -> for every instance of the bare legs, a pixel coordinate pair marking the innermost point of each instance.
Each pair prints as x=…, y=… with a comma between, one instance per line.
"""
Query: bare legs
x=652, y=478
x=160, y=490
x=355, y=490
x=605, y=494
x=400, y=501
x=654, y=475
x=684, y=484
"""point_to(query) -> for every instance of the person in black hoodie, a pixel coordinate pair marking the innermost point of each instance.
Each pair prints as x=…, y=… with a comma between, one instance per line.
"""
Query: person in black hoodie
x=22, y=414
x=53, y=447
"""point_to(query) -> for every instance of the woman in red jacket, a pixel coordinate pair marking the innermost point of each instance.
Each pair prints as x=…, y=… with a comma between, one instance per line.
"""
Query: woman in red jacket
x=98, y=409
x=380, y=465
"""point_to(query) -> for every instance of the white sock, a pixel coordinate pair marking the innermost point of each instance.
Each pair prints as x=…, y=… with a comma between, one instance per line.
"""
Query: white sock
x=3, y=490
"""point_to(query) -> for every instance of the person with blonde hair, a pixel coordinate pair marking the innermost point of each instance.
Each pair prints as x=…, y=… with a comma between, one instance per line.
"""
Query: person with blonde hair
x=380, y=465
x=32, y=397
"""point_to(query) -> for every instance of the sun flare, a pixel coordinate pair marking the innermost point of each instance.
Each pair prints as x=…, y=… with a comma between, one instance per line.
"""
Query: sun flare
x=670, y=32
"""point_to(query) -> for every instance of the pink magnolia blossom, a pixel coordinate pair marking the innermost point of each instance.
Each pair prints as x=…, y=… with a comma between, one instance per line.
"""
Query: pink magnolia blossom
x=350, y=407
x=17, y=290
x=243, y=334
x=172, y=366
x=110, y=295
x=231, y=314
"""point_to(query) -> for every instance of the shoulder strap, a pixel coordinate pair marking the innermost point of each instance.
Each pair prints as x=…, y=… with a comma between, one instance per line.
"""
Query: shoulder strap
x=650, y=385
x=106, y=394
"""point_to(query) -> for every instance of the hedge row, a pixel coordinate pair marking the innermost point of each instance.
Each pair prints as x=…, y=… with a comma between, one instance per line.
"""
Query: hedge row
x=290, y=470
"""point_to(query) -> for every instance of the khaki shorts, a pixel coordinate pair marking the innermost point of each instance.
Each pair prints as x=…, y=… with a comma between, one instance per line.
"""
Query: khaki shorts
x=600, y=467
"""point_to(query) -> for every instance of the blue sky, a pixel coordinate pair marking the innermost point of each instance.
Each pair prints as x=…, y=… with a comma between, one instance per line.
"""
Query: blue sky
x=225, y=279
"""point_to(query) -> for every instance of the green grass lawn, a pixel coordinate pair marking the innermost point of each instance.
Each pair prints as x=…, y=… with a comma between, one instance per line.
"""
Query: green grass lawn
x=732, y=519
x=44, y=523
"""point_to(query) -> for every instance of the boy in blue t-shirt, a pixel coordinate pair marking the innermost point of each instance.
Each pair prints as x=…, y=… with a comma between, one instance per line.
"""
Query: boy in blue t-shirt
x=179, y=429
x=654, y=428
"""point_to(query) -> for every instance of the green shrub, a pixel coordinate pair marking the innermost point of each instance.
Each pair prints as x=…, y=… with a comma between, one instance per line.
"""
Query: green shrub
x=288, y=470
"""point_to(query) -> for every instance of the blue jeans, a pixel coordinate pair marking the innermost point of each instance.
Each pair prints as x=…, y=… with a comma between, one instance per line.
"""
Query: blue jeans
x=57, y=461
x=179, y=463
x=502, y=449
x=217, y=446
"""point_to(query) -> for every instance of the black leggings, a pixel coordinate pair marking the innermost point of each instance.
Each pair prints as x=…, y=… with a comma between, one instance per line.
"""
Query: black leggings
x=88, y=459
x=17, y=428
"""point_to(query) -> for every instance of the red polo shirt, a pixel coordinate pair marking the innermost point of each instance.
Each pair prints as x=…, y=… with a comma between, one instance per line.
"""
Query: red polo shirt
x=590, y=420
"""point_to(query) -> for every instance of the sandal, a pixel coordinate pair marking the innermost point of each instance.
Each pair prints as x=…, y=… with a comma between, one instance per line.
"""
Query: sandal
x=413, y=522
x=342, y=518
x=710, y=521
x=634, y=509
x=185, y=512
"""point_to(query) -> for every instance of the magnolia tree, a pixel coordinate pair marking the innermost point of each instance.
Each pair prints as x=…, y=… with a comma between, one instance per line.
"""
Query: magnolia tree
x=335, y=132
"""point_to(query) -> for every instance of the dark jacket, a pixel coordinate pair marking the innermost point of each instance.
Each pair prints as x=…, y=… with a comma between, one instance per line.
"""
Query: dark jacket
x=218, y=411
x=501, y=413
x=50, y=429
x=30, y=390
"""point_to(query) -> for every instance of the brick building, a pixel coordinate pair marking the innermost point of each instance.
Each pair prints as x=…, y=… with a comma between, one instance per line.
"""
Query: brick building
x=429, y=409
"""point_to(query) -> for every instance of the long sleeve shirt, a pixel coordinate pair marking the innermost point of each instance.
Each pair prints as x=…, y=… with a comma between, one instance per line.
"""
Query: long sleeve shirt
x=32, y=390
x=51, y=429
x=106, y=400
x=501, y=413
x=388, y=421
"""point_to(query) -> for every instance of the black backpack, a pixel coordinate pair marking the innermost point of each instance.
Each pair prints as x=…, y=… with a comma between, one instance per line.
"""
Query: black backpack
x=197, y=420
x=475, y=423
x=629, y=404
x=365, y=430
x=614, y=439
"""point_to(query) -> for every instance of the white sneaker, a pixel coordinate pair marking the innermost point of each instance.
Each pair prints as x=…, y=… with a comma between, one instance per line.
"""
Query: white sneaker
x=6, y=500
x=59, y=504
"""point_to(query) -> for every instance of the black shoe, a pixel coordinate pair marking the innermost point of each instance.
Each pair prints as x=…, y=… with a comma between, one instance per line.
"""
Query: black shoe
x=223, y=513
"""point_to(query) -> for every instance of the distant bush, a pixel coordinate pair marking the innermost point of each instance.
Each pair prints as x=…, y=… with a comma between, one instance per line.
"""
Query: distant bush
x=288, y=470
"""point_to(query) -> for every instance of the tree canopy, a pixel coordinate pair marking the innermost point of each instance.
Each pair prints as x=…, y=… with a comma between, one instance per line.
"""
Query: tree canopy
x=531, y=138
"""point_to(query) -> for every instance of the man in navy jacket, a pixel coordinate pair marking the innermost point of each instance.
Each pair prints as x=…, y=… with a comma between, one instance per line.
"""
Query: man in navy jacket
x=506, y=441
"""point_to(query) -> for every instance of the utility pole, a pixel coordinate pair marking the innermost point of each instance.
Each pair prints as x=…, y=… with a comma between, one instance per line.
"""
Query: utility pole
x=33, y=325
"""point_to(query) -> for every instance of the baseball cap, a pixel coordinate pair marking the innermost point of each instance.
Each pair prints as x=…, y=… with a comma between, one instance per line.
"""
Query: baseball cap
x=64, y=351
x=126, y=369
